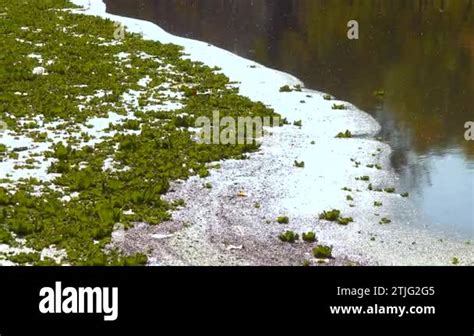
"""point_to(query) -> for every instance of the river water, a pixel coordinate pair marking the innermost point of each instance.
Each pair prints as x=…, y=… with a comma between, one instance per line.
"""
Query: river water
x=420, y=54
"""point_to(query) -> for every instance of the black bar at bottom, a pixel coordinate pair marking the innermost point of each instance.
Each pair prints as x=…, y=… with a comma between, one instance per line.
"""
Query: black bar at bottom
x=228, y=299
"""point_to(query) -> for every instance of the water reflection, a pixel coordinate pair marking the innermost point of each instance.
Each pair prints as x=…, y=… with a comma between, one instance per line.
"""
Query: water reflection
x=421, y=53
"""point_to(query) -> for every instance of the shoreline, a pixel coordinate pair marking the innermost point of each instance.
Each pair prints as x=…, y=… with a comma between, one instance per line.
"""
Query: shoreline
x=223, y=226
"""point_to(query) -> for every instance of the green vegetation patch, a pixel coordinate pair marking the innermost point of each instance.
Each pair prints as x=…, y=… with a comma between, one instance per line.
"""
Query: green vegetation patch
x=345, y=220
x=299, y=164
x=322, y=252
x=283, y=220
x=309, y=237
x=335, y=216
x=339, y=107
x=287, y=88
x=331, y=215
x=344, y=135
x=117, y=175
x=289, y=237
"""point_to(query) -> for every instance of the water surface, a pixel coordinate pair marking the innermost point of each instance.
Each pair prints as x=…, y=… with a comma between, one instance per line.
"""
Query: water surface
x=419, y=53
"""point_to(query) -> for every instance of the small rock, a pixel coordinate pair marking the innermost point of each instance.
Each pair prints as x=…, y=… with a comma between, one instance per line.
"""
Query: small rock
x=233, y=247
x=161, y=236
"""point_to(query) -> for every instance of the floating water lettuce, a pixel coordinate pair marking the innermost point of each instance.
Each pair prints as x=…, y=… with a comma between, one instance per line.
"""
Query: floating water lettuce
x=322, y=252
x=288, y=236
x=309, y=237
x=299, y=164
x=145, y=149
x=344, y=135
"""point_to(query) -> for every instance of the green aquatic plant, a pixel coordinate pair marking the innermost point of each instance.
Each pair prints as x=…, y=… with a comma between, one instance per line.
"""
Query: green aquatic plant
x=322, y=252
x=203, y=172
x=147, y=149
x=298, y=123
x=455, y=261
x=46, y=262
x=288, y=237
x=24, y=258
x=339, y=107
x=378, y=204
x=363, y=178
x=284, y=121
x=300, y=164
x=349, y=198
x=344, y=135
x=309, y=237
x=5, y=235
x=178, y=203
x=376, y=166
x=283, y=220
x=20, y=149
x=327, y=97
x=405, y=195
x=13, y=155
x=330, y=216
x=345, y=220
x=285, y=88
x=335, y=216
x=389, y=190
x=385, y=221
